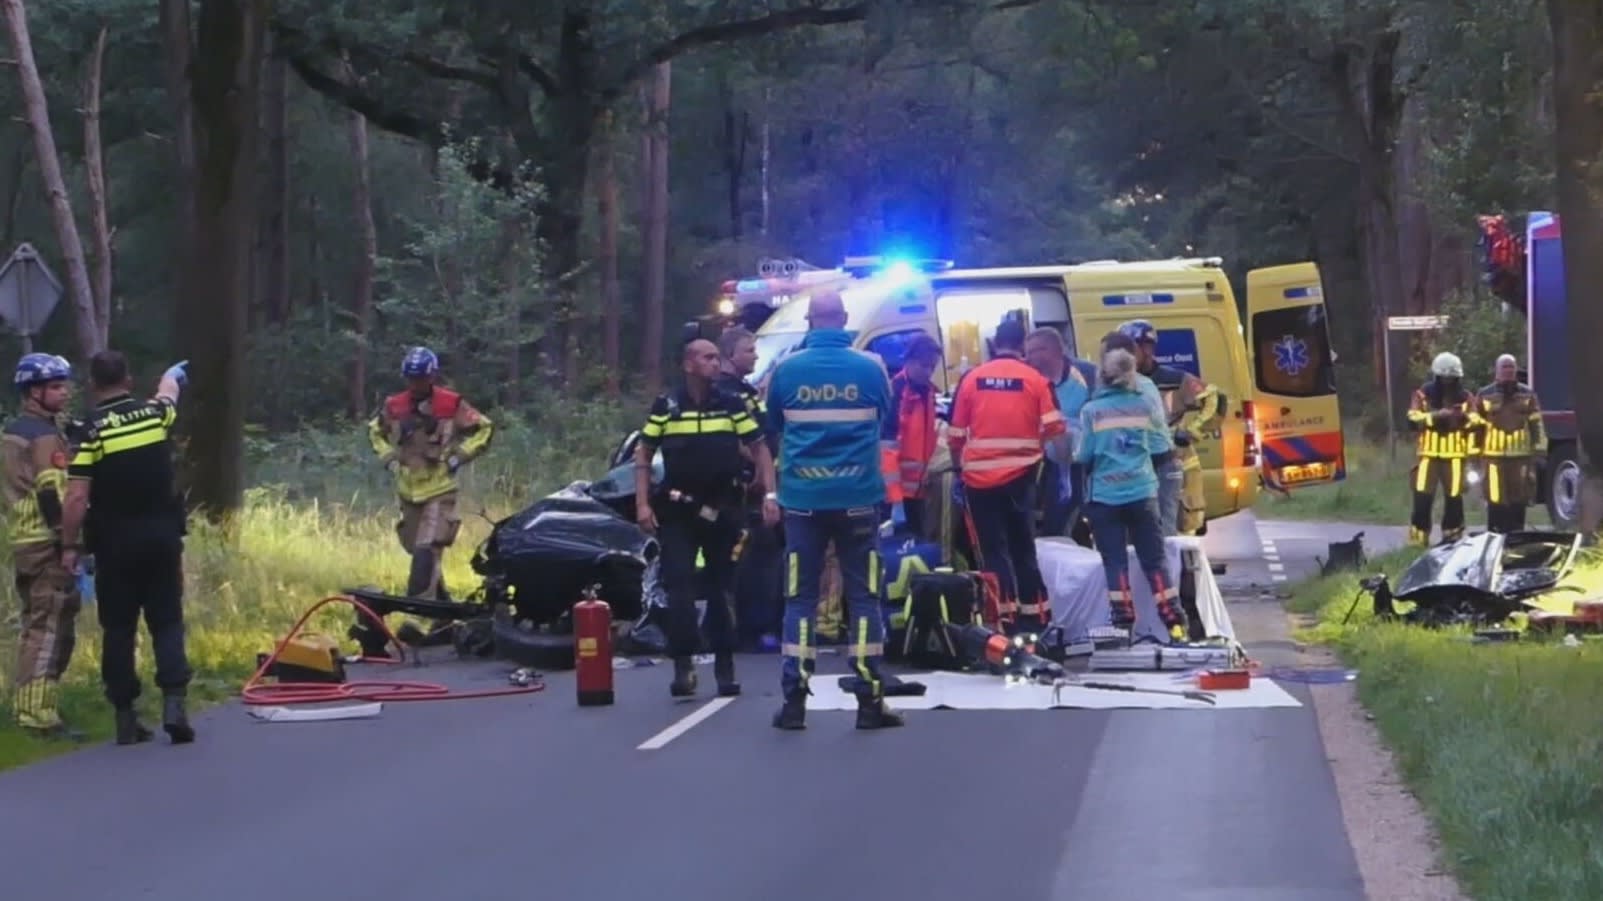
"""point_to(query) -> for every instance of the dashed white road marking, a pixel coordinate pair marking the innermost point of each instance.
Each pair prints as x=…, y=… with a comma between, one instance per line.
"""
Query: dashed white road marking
x=1271, y=553
x=694, y=719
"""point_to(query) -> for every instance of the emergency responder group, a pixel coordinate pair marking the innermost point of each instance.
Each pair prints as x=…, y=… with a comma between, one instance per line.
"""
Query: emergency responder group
x=101, y=490
x=1495, y=432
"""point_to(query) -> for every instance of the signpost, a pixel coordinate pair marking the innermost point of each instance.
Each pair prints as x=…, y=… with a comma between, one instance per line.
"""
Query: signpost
x=1399, y=324
x=29, y=293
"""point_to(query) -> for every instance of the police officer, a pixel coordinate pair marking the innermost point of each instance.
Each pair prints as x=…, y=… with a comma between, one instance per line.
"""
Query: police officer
x=35, y=457
x=1191, y=408
x=424, y=435
x=758, y=602
x=831, y=405
x=1508, y=419
x=1440, y=412
x=121, y=478
x=697, y=507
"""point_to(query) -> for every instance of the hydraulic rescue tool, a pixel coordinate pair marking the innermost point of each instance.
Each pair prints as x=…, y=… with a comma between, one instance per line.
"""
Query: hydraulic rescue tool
x=592, y=639
x=1015, y=659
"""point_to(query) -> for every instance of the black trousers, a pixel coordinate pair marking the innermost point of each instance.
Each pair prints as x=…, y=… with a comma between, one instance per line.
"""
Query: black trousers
x=1003, y=519
x=681, y=533
x=760, y=579
x=140, y=573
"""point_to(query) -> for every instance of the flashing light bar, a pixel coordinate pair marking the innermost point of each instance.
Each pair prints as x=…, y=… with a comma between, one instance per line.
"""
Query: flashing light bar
x=862, y=267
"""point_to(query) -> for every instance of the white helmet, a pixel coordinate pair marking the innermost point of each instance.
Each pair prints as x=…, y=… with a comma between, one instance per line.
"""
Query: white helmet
x=1447, y=366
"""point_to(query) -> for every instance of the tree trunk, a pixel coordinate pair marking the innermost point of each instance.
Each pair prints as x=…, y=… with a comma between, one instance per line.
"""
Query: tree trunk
x=1578, y=139
x=275, y=195
x=223, y=88
x=94, y=162
x=654, y=256
x=607, y=211
x=366, y=265
x=178, y=51
x=44, y=145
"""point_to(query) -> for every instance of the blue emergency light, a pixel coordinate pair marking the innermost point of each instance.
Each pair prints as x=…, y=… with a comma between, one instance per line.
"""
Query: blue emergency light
x=897, y=269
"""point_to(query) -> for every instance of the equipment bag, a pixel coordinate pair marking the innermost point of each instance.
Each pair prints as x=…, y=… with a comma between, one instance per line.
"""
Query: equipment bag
x=902, y=559
x=933, y=601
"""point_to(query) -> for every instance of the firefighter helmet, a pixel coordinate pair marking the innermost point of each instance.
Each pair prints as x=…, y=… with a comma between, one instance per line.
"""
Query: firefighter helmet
x=39, y=369
x=420, y=362
x=1140, y=331
x=1447, y=366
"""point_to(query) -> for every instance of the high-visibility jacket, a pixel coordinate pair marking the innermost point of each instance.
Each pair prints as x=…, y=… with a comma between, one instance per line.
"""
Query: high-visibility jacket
x=1191, y=408
x=915, y=432
x=1442, y=437
x=34, y=454
x=1507, y=420
x=422, y=435
x=1003, y=413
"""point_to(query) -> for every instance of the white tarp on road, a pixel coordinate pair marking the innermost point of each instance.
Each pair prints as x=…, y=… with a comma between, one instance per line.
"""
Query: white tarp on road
x=1079, y=590
x=978, y=691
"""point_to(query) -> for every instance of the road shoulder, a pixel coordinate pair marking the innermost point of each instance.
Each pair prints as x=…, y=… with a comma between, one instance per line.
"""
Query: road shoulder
x=1394, y=842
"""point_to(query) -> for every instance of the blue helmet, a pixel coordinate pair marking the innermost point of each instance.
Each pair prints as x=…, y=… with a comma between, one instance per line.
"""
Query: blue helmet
x=39, y=369
x=1140, y=331
x=420, y=362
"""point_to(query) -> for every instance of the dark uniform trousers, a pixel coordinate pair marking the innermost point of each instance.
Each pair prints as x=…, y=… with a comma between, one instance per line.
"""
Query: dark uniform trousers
x=139, y=571
x=683, y=532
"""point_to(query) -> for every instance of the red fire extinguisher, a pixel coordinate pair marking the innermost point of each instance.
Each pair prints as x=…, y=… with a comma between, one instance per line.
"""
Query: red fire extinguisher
x=592, y=638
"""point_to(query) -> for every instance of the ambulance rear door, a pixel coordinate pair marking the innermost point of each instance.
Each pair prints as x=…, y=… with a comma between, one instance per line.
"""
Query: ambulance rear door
x=1295, y=407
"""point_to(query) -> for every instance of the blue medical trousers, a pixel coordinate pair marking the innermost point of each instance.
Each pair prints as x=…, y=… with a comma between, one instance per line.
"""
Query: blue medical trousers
x=855, y=533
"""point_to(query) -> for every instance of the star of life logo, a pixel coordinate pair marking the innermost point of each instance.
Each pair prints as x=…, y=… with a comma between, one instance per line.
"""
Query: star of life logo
x=1291, y=355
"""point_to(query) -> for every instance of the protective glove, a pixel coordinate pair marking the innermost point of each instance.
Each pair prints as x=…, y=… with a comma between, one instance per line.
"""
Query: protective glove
x=898, y=515
x=86, y=579
x=1182, y=439
x=178, y=372
x=958, y=497
x=452, y=465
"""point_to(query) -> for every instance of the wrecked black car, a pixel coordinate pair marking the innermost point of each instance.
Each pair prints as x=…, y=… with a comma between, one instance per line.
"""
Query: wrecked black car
x=1480, y=579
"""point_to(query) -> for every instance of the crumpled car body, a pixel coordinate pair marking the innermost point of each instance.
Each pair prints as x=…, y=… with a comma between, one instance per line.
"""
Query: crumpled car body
x=542, y=559
x=1489, y=575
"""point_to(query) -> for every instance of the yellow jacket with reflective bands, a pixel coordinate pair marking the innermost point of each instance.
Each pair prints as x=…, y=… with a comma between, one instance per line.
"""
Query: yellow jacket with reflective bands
x=422, y=435
x=34, y=453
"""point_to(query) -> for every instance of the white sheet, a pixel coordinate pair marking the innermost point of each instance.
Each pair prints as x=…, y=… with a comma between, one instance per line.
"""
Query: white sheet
x=1079, y=590
x=976, y=691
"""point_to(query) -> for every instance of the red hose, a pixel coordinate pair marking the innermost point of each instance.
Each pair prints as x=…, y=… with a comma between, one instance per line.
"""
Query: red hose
x=256, y=694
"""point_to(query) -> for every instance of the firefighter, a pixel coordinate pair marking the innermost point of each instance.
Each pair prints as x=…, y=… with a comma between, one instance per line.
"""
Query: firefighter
x=35, y=460
x=1003, y=415
x=1191, y=408
x=758, y=581
x=1508, y=420
x=424, y=435
x=831, y=406
x=913, y=396
x=1119, y=428
x=1072, y=381
x=122, y=497
x=697, y=509
x=1440, y=412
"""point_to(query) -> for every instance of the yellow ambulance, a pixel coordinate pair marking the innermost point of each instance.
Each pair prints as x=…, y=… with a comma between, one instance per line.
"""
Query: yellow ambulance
x=1273, y=367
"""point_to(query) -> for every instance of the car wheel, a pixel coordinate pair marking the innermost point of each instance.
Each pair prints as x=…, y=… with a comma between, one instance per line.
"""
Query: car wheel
x=1564, y=487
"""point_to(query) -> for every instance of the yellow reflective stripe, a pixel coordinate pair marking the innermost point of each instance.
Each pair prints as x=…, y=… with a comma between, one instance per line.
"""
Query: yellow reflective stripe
x=720, y=425
x=1494, y=484
x=792, y=576
x=131, y=437
x=861, y=650
x=851, y=414
x=745, y=425
x=873, y=572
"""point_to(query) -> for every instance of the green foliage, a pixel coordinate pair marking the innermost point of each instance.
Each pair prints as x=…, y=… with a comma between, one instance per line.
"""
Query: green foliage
x=1480, y=329
x=1499, y=742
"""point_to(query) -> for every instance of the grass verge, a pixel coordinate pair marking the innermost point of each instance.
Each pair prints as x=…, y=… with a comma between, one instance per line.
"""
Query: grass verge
x=1499, y=742
x=1376, y=490
x=320, y=518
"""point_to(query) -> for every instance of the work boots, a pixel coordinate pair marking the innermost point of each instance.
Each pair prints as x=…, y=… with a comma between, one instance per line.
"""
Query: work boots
x=684, y=677
x=873, y=714
x=130, y=731
x=175, y=721
x=723, y=670
x=792, y=714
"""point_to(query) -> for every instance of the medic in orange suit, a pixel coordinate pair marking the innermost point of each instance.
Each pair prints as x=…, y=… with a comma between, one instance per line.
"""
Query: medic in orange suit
x=1002, y=417
x=914, y=396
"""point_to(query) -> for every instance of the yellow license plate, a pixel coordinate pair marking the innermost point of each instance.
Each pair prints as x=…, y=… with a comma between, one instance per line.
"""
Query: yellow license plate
x=1307, y=472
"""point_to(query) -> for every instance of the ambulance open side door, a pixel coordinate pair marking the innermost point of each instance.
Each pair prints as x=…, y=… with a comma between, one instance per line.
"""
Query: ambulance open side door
x=1295, y=408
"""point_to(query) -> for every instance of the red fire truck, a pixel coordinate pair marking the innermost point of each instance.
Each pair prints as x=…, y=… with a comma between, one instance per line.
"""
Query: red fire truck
x=1526, y=271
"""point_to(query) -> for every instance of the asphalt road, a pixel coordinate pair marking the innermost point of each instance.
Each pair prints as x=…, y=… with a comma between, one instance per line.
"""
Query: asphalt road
x=531, y=796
